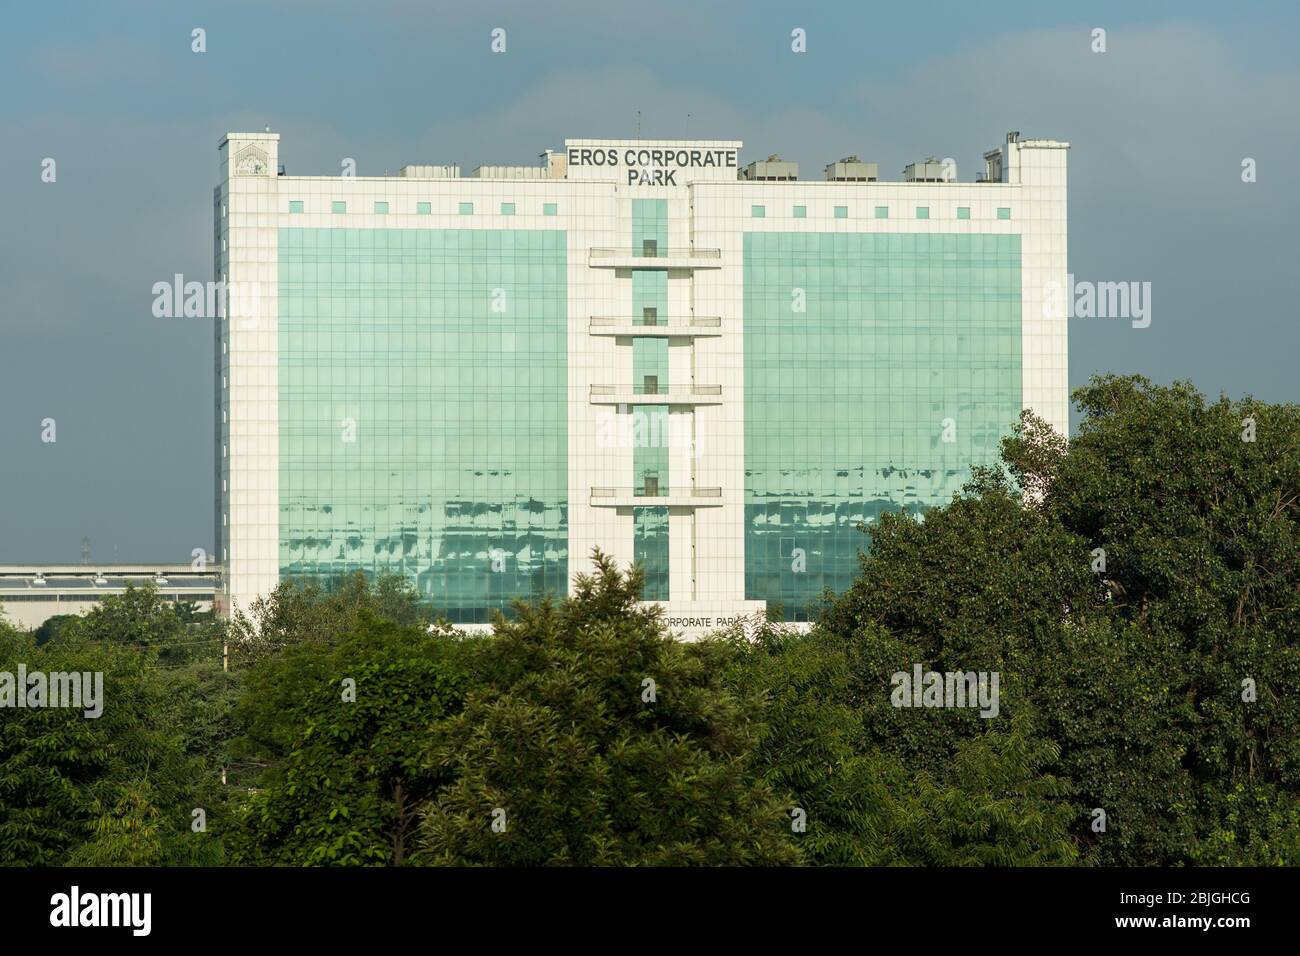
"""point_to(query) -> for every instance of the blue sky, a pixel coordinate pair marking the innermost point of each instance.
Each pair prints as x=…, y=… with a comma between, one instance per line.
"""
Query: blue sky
x=1159, y=125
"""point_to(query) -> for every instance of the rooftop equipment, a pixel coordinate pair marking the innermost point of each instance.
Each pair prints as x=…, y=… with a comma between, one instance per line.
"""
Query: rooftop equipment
x=850, y=169
x=930, y=171
x=771, y=170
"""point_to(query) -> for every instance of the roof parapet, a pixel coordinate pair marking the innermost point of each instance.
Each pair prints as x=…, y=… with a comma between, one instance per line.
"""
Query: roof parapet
x=429, y=172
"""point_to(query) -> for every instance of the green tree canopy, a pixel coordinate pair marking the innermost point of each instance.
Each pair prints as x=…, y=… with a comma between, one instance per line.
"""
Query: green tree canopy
x=119, y=789
x=594, y=738
x=980, y=799
x=339, y=731
x=309, y=612
x=1135, y=596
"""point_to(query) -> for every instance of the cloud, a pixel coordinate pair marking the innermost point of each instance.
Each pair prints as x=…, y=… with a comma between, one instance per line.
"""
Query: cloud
x=1153, y=116
x=1158, y=126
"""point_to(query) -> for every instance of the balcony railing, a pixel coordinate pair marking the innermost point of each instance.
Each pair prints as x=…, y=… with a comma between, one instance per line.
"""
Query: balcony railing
x=661, y=395
x=640, y=497
x=657, y=258
x=680, y=325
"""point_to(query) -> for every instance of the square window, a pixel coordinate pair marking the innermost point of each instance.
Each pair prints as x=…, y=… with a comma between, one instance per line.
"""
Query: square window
x=882, y=212
x=801, y=212
x=1004, y=212
x=922, y=212
x=295, y=205
x=467, y=209
x=338, y=206
x=381, y=208
x=757, y=212
x=507, y=209
x=549, y=209
x=841, y=212
x=423, y=208
x=963, y=212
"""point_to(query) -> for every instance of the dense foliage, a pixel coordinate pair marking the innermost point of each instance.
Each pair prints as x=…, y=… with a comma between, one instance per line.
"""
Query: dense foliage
x=1150, y=587
x=594, y=738
x=340, y=730
x=121, y=788
x=1137, y=593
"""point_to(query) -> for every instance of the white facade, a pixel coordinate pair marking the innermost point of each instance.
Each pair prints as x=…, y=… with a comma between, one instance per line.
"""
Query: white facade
x=709, y=211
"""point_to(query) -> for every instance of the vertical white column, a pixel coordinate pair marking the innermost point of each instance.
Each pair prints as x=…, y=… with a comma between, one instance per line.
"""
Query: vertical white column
x=250, y=162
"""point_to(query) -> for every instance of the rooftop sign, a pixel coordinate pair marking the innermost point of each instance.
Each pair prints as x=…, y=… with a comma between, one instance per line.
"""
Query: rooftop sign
x=643, y=162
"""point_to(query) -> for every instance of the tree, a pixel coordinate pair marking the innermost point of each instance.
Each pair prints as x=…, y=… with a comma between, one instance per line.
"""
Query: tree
x=340, y=733
x=1132, y=591
x=53, y=626
x=141, y=618
x=117, y=789
x=986, y=801
x=594, y=738
x=308, y=612
x=1196, y=507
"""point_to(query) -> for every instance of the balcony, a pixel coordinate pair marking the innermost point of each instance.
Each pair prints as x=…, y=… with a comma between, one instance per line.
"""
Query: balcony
x=695, y=326
x=659, y=498
x=652, y=257
x=663, y=395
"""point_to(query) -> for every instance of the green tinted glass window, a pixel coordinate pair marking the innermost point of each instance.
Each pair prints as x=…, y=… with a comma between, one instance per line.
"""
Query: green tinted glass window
x=650, y=550
x=421, y=431
x=845, y=403
x=649, y=227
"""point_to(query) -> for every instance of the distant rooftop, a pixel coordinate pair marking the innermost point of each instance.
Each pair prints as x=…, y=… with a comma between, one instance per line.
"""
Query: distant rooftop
x=677, y=162
x=105, y=577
